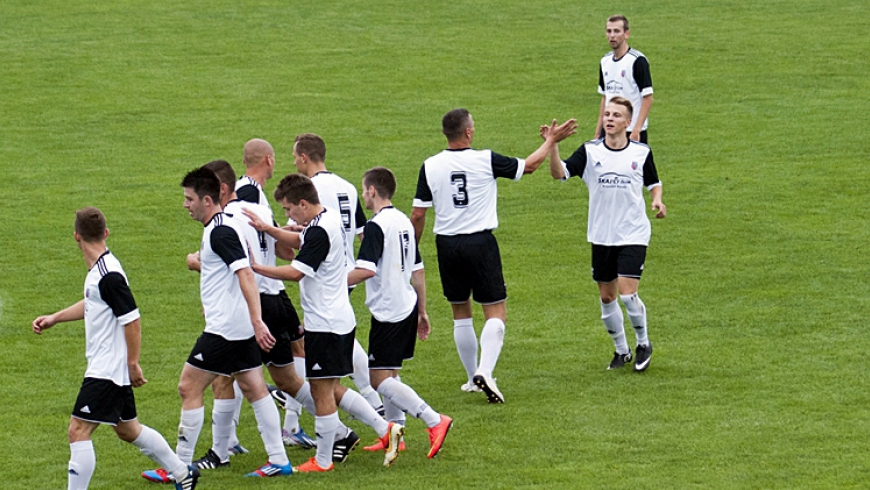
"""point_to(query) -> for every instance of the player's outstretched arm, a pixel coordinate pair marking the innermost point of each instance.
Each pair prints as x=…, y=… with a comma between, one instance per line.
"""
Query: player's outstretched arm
x=418, y=282
x=359, y=275
x=552, y=136
x=133, y=338
x=418, y=221
x=248, y=285
x=657, y=205
x=68, y=314
x=284, y=236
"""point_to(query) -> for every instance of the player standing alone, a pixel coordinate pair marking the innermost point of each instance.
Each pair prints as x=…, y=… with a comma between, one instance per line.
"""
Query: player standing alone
x=616, y=170
x=113, y=336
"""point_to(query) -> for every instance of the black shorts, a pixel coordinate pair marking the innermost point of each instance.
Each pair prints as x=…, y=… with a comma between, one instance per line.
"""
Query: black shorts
x=283, y=322
x=215, y=354
x=104, y=402
x=392, y=343
x=471, y=263
x=608, y=263
x=328, y=355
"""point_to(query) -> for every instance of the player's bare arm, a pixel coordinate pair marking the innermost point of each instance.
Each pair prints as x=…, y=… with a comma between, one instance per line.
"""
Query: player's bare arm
x=418, y=220
x=556, y=170
x=657, y=205
x=283, y=235
x=68, y=314
x=248, y=285
x=193, y=262
x=418, y=282
x=554, y=134
x=645, y=105
x=133, y=338
x=359, y=275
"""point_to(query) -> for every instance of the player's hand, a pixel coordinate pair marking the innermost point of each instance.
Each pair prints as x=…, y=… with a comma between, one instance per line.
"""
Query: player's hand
x=545, y=130
x=42, y=323
x=559, y=132
x=193, y=262
x=423, y=326
x=635, y=135
x=137, y=379
x=661, y=210
x=264, y=338
x=255, y=220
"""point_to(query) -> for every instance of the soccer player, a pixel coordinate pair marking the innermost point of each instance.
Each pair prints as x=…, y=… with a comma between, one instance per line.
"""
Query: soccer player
x=624, y=72
x=234, y=331
x=330, y=325
x=460, y=183
x=259, y=161
x=616, y=170
x=396, y=296
x=278, y=314
x=309, y=157
x=113, y=341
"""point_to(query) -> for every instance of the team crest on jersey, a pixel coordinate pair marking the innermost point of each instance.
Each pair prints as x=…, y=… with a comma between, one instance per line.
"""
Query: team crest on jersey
x=634, y=165
x=622, y=74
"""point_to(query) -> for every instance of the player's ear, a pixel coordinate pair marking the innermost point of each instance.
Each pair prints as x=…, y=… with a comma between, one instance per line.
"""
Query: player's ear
x=106, y=234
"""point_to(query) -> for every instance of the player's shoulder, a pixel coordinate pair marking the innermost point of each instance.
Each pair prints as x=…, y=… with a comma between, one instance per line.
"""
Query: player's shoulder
x=106, y=264
x=635, y=53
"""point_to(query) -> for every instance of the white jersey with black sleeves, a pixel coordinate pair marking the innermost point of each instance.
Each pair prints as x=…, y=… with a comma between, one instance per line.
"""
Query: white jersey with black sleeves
x=627, y=77
x=461, y=185
x=223, y=253
x=390, y=251
x=323, y=290
x=249, y=190
x=341, y=196
x=109, y=306
x=616, y=179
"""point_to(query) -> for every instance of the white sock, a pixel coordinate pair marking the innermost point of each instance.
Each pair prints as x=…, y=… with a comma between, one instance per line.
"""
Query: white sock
x=393, y=413
x=82, y=461
x=408, y=400
x=269, y=425
x=361, y=376
x=222, y=427
x=466, y=344
x=237, y=410
x=637, y=316
x=358, y=407
x=188, y=433
x=292, y=410
x=491, y=342
x=299, y=364
x=303, y=396
x=153, y=445
x=611, y=315
x=325, y=427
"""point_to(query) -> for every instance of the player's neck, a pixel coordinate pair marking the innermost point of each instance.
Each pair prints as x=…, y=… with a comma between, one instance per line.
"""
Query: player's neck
x=620, y=51
x=616, y=141
x=379, y=204
x=229, y=197
x=92, y=252
x=259, y=175
x=315, y=168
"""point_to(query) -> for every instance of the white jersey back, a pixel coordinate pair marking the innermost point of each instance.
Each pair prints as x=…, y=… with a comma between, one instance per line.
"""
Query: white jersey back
x=259, y=242
x=616, y=179
x=248, y=189
x=390, y=251
x=323, y=290
x=341, y=196
x=109, y=306
x=222, y=254
x=461, y=185
x=627, y=77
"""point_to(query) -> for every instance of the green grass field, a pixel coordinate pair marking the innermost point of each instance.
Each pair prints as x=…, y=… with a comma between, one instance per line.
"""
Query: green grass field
x=756, y=282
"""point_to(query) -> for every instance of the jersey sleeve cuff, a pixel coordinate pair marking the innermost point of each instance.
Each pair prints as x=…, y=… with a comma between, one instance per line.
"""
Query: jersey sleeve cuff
x=651, y=187
x=417, y=267
x=239, y=264
x=565, y=170
x=521, y=169
x=303, y=268
x=646, y=91
x=365, y=264
x=129, y=317
x=422, y=204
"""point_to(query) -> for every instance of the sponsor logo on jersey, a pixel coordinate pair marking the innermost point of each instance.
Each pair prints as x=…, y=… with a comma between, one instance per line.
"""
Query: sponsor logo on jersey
x=613, y=180
x=614, y=87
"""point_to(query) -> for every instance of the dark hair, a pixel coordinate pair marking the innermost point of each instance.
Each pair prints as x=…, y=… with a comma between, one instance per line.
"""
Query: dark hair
x=90, y=224
x=204, y=182
x=311, y=145
x=454, y=123
x=617, y=18
x=224, y=172
x=382, y=179
x=625, y=103
x=296, y=187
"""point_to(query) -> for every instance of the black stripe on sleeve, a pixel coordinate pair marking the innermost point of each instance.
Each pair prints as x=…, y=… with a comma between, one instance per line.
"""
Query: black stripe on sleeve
x=576, y=163
x=650, y=174
x=505, y=167
x=249, y=193
x=372, y=248
x=315, y=247
x=642, y=76
x=424, y=193
x=226, y=243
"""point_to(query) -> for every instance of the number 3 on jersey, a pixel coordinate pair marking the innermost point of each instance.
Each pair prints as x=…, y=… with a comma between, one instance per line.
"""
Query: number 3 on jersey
x=460, y=194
